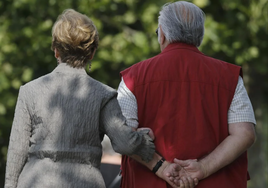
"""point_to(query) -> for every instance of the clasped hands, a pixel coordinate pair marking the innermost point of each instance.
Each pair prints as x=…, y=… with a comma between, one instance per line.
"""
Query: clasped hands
x=180, y=173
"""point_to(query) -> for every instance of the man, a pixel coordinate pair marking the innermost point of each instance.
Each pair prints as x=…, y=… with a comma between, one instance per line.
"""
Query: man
x=197, y=106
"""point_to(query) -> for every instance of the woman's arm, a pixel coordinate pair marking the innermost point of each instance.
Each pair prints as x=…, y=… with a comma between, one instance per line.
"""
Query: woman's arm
x=19, y=141
x=124, y=139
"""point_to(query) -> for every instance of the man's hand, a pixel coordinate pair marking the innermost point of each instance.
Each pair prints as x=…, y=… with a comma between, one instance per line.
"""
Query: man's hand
x=241, y=137
x=193, y=168
x=176, y=176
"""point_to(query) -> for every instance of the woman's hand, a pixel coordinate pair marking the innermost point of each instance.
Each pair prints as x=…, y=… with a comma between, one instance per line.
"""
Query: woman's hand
x=149, y=132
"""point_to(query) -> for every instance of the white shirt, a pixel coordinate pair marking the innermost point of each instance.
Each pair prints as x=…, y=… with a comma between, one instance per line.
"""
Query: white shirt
x=240, y=109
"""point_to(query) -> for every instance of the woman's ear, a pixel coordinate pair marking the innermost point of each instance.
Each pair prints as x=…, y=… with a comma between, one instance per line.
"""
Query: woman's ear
x=56, y=53
x=92, y=55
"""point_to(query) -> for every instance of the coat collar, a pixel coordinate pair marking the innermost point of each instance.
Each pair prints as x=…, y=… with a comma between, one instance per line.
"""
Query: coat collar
x=180, y=45
x=65, y=68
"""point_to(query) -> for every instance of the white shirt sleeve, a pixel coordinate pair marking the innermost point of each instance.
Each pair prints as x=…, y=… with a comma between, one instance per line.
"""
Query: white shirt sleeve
x=128, y=104
x=241, y=109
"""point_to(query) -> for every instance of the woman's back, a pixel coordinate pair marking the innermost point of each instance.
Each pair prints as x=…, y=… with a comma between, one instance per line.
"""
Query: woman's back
x=64, y=108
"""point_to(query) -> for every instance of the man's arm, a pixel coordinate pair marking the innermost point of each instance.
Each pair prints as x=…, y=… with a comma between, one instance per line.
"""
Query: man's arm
x=168, y=170
x=241, y=122
x=128, y=104
x=242, y=136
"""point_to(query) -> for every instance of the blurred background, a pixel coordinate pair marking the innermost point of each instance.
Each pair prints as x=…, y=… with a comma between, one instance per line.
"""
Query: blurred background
x=236, y=31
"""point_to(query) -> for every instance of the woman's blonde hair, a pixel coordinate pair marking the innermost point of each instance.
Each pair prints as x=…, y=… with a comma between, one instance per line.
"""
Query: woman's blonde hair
x=75, y=37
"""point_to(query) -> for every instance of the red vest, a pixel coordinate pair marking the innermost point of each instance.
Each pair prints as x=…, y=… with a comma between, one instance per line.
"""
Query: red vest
x=184, y=97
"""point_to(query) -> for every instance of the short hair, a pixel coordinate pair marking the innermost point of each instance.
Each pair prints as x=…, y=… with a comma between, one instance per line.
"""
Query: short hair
x=75, y=37
x=182, y=22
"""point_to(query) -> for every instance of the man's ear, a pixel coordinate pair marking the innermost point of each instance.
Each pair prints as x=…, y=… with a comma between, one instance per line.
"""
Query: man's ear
x=162, y=36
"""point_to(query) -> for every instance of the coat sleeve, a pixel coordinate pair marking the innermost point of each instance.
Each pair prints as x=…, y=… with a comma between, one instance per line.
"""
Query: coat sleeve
x=19, y=141
x=124, y=139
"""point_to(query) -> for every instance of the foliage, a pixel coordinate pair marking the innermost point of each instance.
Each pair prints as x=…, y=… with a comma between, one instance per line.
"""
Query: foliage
x=236, y=31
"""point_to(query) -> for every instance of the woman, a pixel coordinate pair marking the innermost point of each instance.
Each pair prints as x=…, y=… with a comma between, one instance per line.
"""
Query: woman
x=61, y=118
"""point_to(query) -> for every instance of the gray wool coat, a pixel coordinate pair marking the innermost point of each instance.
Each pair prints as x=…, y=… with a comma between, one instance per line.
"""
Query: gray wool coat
x=59, y=123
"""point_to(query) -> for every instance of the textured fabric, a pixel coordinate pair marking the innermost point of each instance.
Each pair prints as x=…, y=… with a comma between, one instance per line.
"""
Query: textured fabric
x=240, y=110
x=59, y=123
x=184, y=97
x=128, y=104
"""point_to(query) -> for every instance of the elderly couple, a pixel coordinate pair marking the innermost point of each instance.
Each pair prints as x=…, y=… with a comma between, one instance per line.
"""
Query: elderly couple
x=180, y=119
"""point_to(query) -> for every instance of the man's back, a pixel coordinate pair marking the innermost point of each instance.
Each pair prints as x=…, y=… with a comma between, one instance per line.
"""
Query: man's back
x=184, y=97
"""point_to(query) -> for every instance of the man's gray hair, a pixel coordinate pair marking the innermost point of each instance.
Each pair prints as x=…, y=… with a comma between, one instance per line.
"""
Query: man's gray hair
x=182, y=22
